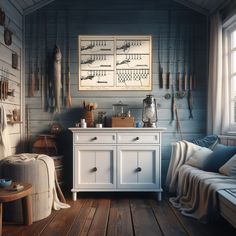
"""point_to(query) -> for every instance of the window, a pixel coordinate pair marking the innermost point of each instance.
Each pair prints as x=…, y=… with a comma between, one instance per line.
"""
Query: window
x=231, y=45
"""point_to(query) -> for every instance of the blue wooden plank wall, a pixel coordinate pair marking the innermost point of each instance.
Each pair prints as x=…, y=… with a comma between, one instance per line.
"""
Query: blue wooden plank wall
x=186, y=39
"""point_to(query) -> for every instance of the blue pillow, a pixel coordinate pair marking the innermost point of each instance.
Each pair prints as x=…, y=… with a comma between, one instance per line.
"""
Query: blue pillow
x=221, y=154
x=207, y=141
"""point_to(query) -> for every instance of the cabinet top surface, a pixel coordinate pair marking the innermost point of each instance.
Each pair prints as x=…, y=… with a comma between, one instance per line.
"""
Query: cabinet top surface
x=76, y=129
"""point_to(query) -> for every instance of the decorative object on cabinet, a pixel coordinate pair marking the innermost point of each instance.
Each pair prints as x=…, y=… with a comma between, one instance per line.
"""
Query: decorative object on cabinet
x=121, y=116
x=117, y=159
x=149, y=112
x=115, y=62
x=88, y=113
x=102, y=119
x=122, y=122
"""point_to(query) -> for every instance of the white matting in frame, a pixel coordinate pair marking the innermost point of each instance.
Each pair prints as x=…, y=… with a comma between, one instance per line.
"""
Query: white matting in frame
x=115, y=62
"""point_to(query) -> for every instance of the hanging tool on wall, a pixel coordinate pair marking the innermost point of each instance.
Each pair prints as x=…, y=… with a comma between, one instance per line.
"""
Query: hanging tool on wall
x=2, y=17
x=181, y=67
x=172, y=104
x=168, y=51
x=45, y=83
x=42, y=65
x=194, y=71
x=36, y=72
x=160, y=72
x=57, y=82
x=68, y=98
x=185, y=61
x=190, y=95
x=68, y=78
x=31, y=64
x=28, y=136
x=57, y=77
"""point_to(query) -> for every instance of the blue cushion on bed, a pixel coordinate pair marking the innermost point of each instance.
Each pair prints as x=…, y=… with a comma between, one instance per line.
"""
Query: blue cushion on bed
x=207, y=141
x=221, y=154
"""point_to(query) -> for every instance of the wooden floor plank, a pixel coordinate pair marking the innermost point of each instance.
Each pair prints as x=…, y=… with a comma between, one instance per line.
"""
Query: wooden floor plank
x=144, y=221
x=167, y=220
x=88, y=221
x=61, y=223
x=100, y=220
x=120, y=222
x=22, y=230
x=79, y=222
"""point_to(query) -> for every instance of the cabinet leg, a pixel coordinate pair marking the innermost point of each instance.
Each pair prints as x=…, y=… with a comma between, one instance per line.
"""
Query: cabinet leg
x=159, y=196
x=74, y=196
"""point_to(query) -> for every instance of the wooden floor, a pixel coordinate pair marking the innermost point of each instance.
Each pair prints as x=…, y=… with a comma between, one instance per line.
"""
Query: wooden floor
x=118, y=214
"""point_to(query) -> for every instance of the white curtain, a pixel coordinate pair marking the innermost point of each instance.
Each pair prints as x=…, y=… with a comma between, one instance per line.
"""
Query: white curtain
x=218, y=94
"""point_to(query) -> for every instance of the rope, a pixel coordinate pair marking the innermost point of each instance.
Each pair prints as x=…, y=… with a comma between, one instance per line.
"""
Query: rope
x=178, y=127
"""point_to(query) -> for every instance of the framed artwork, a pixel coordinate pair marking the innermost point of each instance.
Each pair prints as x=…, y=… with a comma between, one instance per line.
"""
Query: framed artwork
x=115, y=62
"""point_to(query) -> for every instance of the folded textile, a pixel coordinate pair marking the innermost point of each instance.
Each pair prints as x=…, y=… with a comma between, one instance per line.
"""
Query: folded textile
x=197, y=192
x=181, y=152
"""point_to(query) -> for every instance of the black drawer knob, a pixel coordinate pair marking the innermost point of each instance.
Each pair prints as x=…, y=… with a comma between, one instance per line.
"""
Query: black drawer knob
x=136, y=139
x=94, y=138
x=139, y=169
x=95, y=169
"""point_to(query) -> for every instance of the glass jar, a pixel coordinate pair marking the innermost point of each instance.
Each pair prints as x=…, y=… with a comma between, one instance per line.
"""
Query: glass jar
x=120, y=109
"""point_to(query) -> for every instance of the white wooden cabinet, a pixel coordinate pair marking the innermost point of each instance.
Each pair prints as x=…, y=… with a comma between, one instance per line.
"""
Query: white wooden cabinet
x=116, y=159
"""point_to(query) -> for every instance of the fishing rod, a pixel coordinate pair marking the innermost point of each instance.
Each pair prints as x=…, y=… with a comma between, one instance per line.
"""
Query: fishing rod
x=190, y=95
x=160, y=73
x=168, y=51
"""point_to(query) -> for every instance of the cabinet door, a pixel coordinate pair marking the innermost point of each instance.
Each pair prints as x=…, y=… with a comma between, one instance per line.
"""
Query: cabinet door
x=94, y=167
x=139, y=167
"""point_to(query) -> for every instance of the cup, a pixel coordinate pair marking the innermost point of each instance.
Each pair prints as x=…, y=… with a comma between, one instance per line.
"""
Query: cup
x=139, y=124
x=84, y=125
x=98, y=125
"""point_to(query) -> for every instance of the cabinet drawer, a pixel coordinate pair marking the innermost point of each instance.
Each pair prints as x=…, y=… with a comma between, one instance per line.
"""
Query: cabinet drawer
x=91, y=138
x=138, y=138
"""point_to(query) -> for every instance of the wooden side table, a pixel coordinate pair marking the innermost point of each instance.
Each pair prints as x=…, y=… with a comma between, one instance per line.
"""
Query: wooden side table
x=7, y=195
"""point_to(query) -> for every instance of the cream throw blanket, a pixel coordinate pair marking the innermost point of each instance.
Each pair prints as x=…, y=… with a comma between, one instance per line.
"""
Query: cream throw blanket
x=181, y=152
x=196, y=189
x=52, y=179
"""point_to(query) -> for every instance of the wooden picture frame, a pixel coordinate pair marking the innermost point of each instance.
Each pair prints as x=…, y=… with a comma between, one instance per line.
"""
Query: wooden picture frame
x=115, y=62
